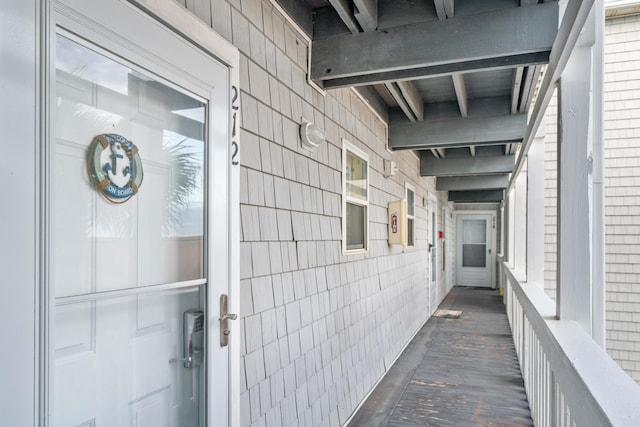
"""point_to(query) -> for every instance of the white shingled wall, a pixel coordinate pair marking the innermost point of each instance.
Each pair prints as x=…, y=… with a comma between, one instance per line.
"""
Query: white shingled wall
x=320, y=327
x=622, y=190
x=550, y=196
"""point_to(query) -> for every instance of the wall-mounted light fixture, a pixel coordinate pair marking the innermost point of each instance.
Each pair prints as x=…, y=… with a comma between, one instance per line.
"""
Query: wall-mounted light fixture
x=390, y=168
x=311, y=135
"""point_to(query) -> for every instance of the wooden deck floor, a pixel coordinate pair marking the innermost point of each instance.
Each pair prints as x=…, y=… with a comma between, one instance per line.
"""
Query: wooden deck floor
x=455, y=372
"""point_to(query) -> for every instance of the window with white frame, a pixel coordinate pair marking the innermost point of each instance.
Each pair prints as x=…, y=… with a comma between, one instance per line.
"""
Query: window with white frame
x=355, y=200
x=410, y=195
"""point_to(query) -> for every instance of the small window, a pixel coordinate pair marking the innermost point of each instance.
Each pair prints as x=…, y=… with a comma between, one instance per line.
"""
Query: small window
x=410, y=194
x=355, y=200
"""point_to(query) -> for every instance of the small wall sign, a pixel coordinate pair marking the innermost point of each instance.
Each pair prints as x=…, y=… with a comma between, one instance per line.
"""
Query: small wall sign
x=114, y=167
x=394, y=222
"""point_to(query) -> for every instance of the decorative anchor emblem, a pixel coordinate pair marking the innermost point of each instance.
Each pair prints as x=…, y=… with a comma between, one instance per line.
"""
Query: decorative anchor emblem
x=119, y=170
x=114, y=167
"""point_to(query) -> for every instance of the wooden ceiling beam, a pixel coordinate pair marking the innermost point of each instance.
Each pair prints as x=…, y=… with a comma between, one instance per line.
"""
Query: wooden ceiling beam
x=461, y=43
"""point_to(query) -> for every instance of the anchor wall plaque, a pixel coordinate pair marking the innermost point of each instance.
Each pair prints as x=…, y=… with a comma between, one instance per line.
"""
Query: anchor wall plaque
x=114, y=167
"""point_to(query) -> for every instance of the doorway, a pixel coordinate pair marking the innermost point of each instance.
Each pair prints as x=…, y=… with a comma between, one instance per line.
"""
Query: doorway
x=475, y=253
x=137, y=171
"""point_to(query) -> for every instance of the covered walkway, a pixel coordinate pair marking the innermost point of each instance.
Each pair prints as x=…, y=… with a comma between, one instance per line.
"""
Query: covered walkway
x=456, y=371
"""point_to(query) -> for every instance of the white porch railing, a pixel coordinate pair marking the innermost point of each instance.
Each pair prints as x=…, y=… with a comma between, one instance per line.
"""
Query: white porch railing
x=569, y=379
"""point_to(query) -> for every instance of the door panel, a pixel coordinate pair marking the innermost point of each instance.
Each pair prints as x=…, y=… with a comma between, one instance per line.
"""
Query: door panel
x=117, y=357
x=474, y=260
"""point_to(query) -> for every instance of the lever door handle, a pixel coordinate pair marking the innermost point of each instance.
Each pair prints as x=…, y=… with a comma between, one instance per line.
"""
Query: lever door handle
x=228, y=316
x=225, y=316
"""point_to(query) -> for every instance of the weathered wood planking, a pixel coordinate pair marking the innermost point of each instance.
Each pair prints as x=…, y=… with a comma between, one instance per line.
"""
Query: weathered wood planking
x=456, y=372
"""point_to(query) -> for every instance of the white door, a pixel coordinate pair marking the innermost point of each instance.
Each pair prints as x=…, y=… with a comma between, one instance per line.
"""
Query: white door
x=433, y=254
x=475, y=237
x=139, y=121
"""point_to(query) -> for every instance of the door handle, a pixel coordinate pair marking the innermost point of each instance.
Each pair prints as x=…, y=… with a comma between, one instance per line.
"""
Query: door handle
x=225, y=316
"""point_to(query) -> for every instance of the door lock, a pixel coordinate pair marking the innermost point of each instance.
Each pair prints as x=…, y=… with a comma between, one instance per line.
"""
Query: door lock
x=225, y=316
x=193, y=338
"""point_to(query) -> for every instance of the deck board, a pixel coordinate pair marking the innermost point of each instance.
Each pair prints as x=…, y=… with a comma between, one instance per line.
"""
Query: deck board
x=455, y=372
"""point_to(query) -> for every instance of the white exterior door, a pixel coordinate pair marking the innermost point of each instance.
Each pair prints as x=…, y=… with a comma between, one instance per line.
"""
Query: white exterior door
x=433, y=254
x=137, y=169
x=474, y=249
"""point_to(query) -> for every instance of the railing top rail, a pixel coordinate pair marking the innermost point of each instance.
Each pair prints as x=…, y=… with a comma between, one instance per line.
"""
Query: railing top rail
x=598, y=390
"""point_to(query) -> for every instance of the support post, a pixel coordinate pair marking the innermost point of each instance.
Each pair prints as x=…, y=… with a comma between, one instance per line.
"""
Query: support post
x=580, y=270
x=535, y=210
x=520, y=224
x=506, y=228
x=597, y=76
x=511, y=208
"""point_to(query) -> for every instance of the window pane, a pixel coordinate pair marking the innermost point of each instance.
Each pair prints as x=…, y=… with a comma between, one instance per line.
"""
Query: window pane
x=410, y=201
x=474, y=231
x=356, y=226
x=474, y=255
x=356, y=171
x=410, y=232
x=151, y=149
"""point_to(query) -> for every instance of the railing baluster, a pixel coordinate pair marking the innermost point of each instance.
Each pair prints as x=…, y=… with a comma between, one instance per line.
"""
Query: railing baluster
x=562, y=367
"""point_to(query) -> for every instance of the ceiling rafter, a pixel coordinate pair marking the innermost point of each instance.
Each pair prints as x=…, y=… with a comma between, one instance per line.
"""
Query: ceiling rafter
x=489, y=122
x=449, y=8
x=486, y=165
x=366, y=12
x=461, y=93
x=516, y=83
x=473, y=182
x=394, y=90
x=444, y=8
x=345, y=12
x=458, y=44
x=440, y=11
x=438, y=70
x=410, y=93
x=528, y=89
x=457, y=132
x=476, y=196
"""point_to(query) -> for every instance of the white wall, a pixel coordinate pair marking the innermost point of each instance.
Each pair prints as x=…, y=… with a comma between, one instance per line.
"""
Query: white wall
x=622, y=191
x=320, y=327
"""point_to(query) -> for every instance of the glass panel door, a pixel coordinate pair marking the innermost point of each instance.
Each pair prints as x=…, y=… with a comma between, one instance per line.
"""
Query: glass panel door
x=474, y=237
x=128, y=246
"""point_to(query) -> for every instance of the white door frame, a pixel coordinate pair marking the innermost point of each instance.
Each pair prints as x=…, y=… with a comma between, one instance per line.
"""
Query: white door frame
x=492, y=242
x=182, y=23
